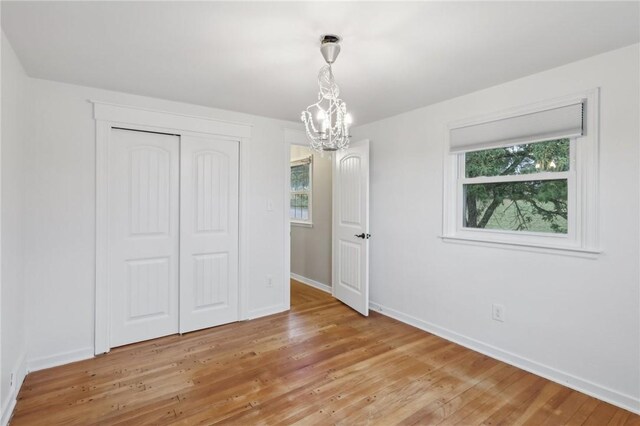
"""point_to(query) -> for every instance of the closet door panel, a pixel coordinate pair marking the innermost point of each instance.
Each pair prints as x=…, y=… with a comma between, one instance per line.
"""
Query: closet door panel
x=209, y=232
x=143, y=235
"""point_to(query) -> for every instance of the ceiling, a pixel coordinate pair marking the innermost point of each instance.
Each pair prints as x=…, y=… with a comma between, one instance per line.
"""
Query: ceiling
x=263, y=57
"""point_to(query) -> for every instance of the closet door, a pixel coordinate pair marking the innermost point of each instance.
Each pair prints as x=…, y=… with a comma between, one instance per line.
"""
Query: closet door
x=209, y=232
x=143, y=235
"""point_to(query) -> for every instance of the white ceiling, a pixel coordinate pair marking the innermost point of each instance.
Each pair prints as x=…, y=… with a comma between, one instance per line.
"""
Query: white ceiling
x=262, y=58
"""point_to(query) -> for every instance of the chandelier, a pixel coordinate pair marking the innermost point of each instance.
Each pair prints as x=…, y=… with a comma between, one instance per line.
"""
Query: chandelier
x=327, y=121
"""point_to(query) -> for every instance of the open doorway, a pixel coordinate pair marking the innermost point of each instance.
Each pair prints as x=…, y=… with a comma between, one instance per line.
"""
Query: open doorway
x=310, y=215
x=327, y=219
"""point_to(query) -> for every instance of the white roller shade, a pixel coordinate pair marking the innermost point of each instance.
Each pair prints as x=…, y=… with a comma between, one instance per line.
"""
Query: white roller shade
x=556, y=123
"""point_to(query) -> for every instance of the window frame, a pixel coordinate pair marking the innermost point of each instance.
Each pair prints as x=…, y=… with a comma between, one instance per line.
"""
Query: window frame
x=298, y=162
x=582, y=188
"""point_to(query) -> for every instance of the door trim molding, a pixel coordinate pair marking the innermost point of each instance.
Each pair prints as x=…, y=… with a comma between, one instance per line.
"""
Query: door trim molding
x=291, y=137
x=133, y=115
x=109, y=115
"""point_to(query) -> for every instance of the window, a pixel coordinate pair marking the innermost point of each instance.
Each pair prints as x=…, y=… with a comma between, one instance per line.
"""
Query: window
x=518, y=188
x=300, y=210
x=525, y=178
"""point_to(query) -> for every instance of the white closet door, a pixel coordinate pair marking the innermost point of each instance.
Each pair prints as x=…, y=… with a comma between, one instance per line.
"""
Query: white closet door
x=208, y=232
x=143, y=235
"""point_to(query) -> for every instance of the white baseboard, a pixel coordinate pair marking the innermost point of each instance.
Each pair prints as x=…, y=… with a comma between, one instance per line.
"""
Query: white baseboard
x=611, y=396
x=312, y=283
x=9, y=401
x=59, y=359
x=269, y=310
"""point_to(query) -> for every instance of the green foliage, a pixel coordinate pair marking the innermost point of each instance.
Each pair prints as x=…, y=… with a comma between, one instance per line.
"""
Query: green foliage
x=299, y=200
x=530, y=205
x=550, y=156
x=300, y=182
x=300, y=177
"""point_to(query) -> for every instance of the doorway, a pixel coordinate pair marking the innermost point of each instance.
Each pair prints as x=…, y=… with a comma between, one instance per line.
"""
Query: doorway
x=339, y=248
x=310, y=214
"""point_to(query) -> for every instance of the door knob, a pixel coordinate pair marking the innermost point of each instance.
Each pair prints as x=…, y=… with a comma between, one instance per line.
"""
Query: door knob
x=363, y=236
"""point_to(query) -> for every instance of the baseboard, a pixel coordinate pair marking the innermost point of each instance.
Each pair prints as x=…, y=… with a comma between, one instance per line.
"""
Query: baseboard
x=581, y=385
x=269, y=310
x=9, y=402
x=312, y=283
x=59, y=359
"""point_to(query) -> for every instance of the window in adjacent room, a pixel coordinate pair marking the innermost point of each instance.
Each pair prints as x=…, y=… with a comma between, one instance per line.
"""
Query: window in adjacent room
x=301, y=191
x=526, y=178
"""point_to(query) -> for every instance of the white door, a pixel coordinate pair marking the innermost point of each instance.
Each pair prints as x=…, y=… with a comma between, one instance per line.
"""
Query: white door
x=351, y=226
x=208, y=233
x=143, y=235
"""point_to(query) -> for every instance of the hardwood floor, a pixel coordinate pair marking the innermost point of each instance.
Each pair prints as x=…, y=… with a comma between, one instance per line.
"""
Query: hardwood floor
x=320, y=363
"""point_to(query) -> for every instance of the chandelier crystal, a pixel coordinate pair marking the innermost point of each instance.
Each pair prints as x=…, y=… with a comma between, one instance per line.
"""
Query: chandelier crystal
x=327, y=121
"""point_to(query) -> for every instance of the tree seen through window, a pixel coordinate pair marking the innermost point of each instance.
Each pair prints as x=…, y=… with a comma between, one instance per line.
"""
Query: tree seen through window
x=536, y=205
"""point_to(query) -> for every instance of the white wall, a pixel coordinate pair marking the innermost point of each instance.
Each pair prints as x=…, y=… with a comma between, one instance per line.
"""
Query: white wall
x=59, y=220
x=15, y=98
x=311, y=247
x=573, y=319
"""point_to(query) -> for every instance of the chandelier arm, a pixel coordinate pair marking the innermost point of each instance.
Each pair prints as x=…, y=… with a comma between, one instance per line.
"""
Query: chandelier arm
x=309, y=114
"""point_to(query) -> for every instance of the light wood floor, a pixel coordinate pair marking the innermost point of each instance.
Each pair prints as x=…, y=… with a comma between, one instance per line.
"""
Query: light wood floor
x=320, y=363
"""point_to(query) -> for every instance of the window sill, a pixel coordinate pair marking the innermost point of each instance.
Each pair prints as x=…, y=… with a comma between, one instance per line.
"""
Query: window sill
x=302, y=224
x=524, y=246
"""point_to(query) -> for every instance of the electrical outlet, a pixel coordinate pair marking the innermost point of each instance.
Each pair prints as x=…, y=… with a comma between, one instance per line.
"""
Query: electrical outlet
x=269, y=205
x=498, y=312
x=269, y=281
x=11, y=381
